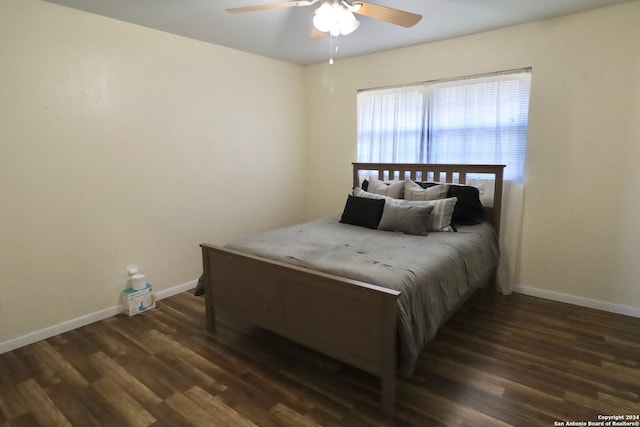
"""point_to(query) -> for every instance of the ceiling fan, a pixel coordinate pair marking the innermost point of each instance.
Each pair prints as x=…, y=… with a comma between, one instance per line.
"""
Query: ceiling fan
x=336, y=17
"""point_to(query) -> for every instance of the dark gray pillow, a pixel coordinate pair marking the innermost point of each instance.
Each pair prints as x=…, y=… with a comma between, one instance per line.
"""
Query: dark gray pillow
x=362, y=211
x=406, y=217
x=468, y=209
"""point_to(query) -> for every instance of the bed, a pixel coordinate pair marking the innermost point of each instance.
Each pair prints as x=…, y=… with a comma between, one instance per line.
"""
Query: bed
x=347, y=291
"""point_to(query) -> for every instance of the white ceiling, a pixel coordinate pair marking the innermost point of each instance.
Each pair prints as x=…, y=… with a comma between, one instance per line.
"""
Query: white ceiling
x=284, y=33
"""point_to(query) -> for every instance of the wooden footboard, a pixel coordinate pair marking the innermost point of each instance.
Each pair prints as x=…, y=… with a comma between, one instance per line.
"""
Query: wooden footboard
x=352, y=321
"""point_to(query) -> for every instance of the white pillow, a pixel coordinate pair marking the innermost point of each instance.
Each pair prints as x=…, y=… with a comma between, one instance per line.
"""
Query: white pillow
x=393, y=189
x=359, y=192
x=413, y=191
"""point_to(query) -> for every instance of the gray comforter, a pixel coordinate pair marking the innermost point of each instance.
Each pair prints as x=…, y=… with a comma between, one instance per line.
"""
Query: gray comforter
x=433, y=272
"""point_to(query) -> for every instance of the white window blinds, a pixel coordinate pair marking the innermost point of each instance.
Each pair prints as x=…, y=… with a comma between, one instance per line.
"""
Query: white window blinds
x=471, y=120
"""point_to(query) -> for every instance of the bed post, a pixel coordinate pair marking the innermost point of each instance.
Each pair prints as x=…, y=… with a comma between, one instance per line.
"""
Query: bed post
x=208, y=302
x=356, y=176
x=389, y=357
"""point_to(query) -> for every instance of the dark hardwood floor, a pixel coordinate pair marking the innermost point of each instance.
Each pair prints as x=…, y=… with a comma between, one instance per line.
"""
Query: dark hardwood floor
x=499, y=361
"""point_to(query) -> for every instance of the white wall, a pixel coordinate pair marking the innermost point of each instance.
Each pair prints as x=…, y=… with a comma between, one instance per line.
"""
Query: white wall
x=120, y=145
x=580, y=228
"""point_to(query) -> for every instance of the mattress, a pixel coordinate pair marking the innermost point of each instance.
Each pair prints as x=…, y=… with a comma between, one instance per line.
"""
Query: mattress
x=432, y=272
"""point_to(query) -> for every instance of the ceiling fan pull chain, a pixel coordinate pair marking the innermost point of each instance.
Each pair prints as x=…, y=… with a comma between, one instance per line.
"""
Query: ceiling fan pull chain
x=330, y=49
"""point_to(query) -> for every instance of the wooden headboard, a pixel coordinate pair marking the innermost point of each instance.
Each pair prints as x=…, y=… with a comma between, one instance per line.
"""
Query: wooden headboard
x=449, y=173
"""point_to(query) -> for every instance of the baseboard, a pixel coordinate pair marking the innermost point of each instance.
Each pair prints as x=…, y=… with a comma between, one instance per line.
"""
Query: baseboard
x=69, y=325
x=627, y=310
x=175, y=290
x=78, y=322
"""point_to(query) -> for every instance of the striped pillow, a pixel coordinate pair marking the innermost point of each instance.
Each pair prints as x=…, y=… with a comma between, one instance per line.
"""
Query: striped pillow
x=393, y=189
x=359, y=192
x=440, y=219
x=413, y=191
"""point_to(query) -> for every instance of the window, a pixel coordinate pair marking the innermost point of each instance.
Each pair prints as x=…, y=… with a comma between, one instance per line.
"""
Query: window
x=481, y=119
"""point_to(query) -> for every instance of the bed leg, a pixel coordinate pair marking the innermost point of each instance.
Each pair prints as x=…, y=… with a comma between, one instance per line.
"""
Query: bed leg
x=388, y=360
x=210, y=310
x=211, y=318
x=208, y=300
x=492, y=282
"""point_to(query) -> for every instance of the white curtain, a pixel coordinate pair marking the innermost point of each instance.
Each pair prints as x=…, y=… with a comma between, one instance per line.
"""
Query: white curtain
x=390, y=125
x=472, y=120
x=510, y=235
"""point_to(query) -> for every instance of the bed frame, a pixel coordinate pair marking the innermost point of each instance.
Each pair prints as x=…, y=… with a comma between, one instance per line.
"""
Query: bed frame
x=349, y=320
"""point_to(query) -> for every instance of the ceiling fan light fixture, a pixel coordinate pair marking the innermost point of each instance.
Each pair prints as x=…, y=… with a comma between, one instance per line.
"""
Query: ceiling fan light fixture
x=335, y=19
x=324, y=18
x=347, y=21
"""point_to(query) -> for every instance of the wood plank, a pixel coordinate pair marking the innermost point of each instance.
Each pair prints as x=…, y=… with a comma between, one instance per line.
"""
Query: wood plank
x=95, y=404
x=72, y=406
x=194, y=414
x=26, y=420
x=75, y=349
x=499, y=361
x=165, y=378
x=123, y=404
x=254, y=409
x=126, y=380
x=13, y=370
x=12, y=404
x=219, y=412
x=291, y=418
x=61, y=368
x=41, y=406
x=166, y=416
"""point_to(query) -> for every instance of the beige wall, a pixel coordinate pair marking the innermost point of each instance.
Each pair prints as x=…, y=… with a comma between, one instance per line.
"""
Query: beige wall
x=580, y=228
x=117, y=144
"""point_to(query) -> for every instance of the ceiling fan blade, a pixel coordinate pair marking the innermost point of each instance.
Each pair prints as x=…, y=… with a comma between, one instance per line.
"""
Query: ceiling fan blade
x=271, y=6
x=388, y=14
